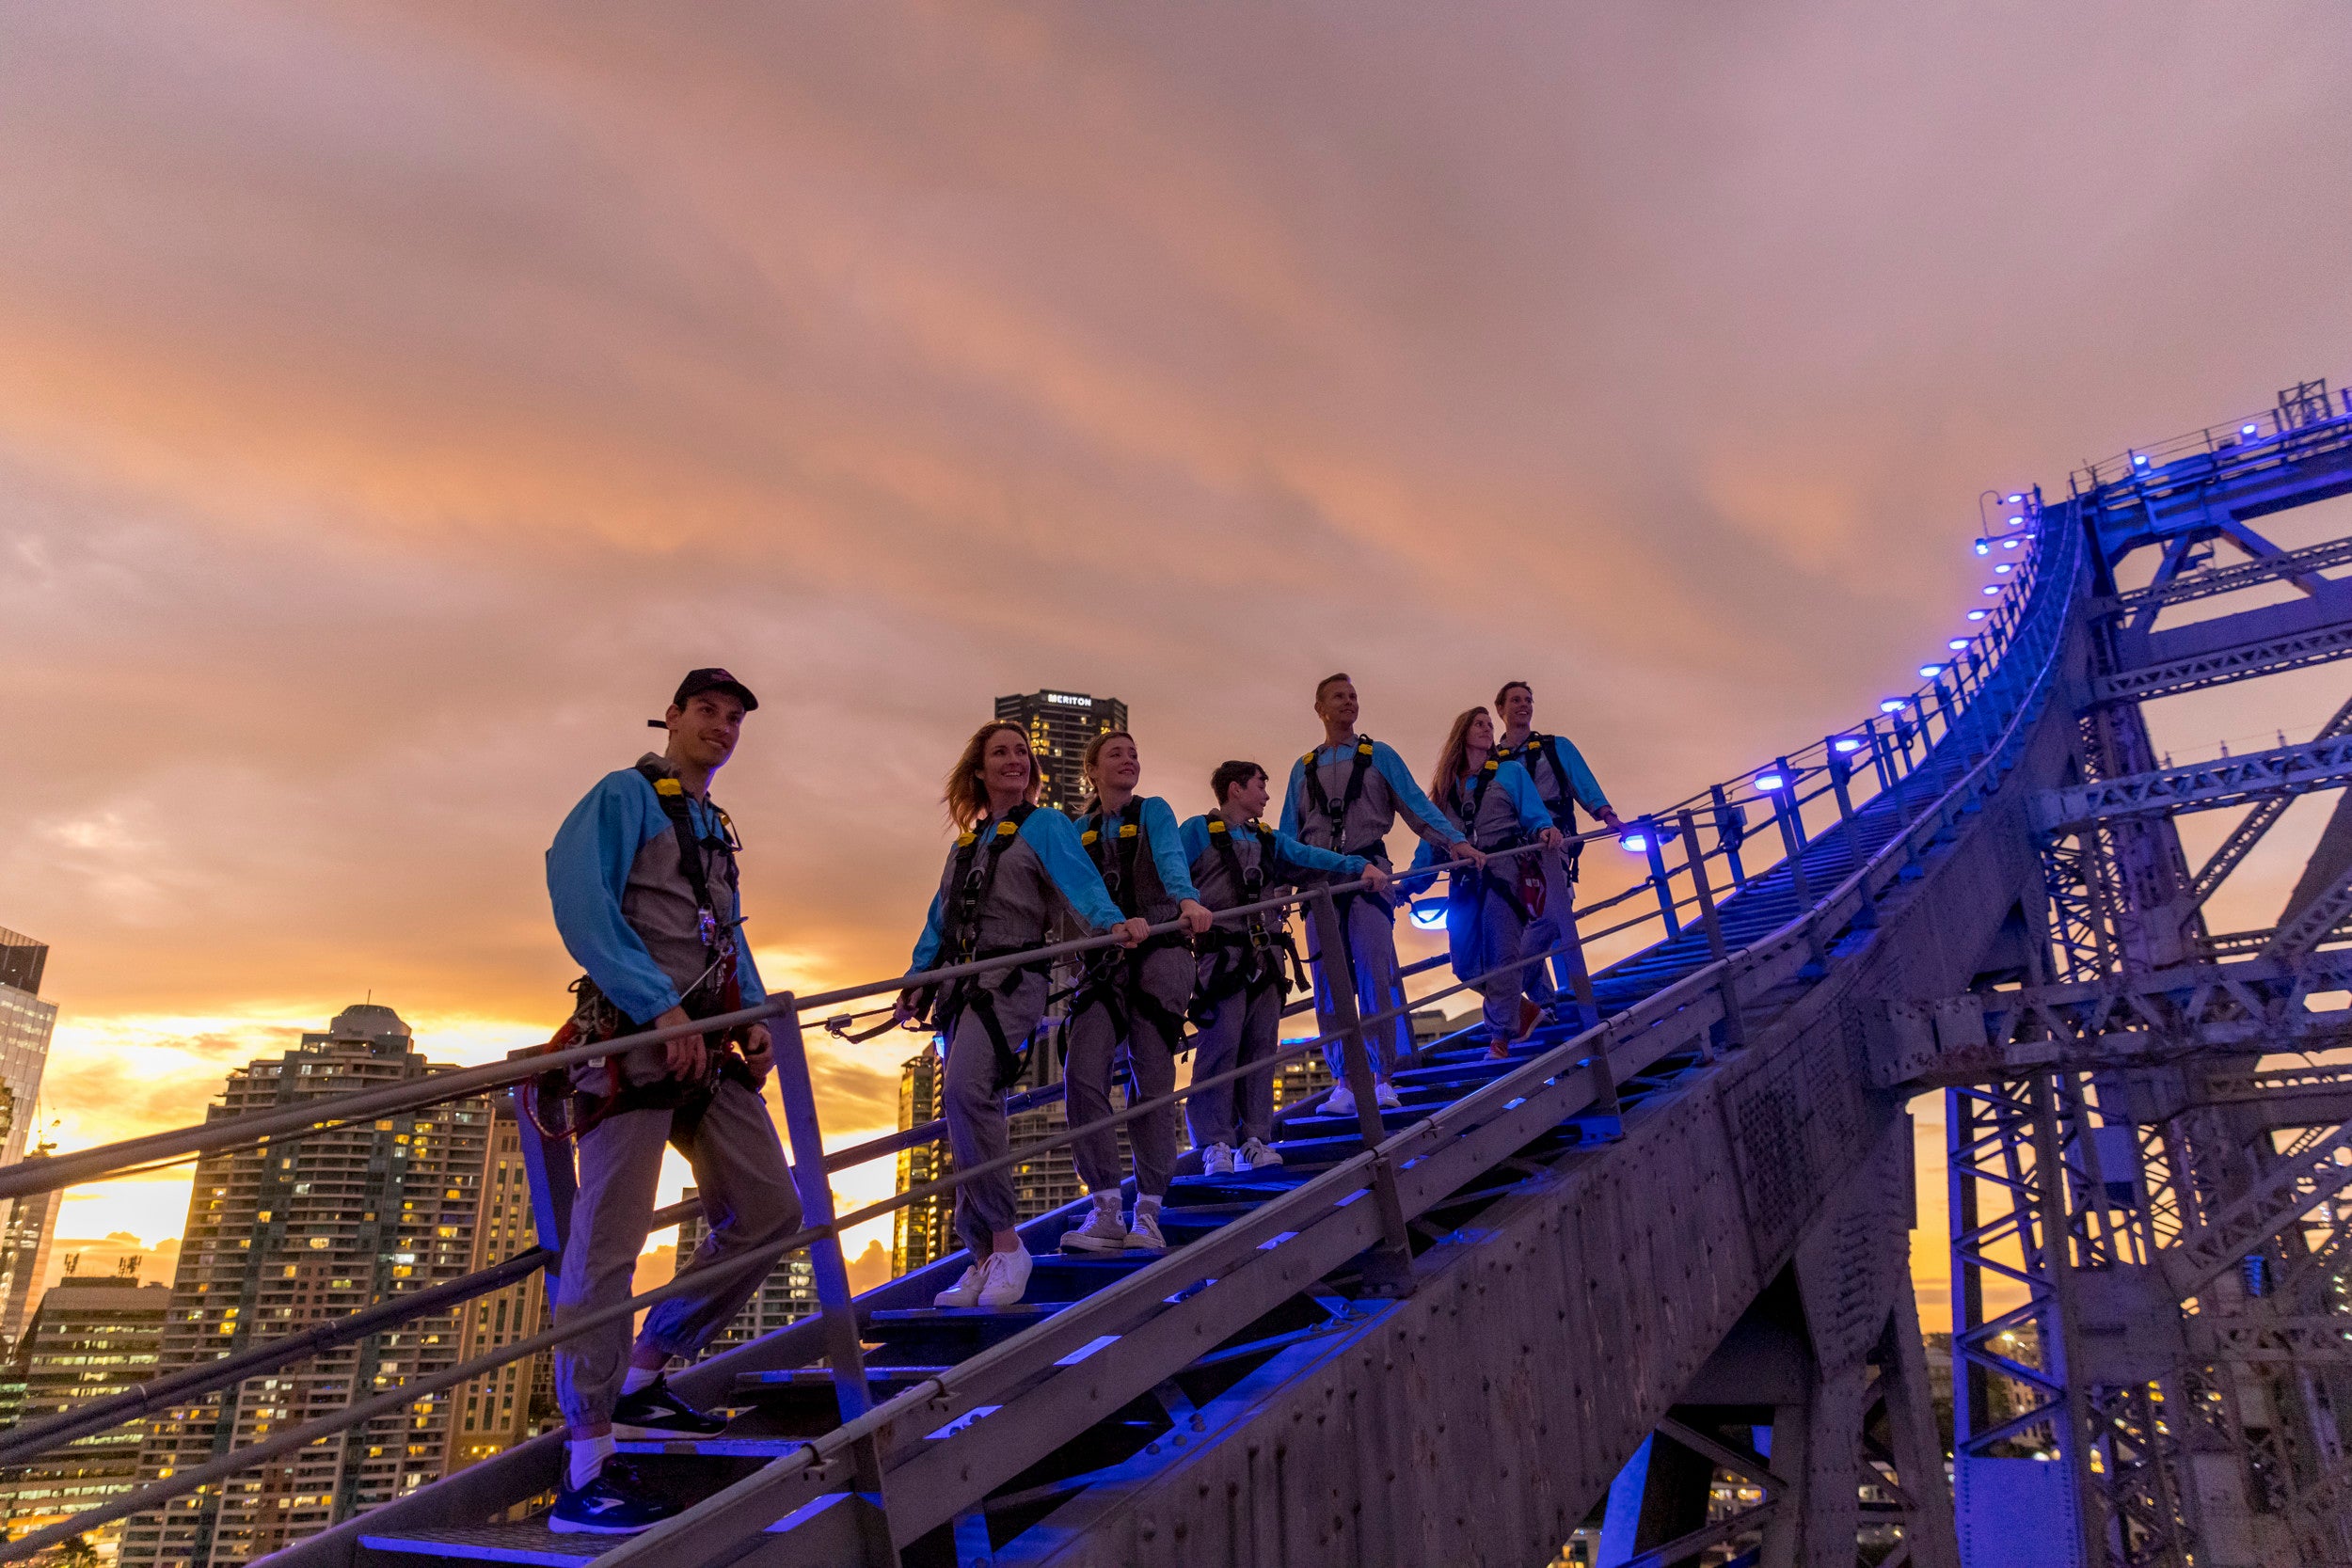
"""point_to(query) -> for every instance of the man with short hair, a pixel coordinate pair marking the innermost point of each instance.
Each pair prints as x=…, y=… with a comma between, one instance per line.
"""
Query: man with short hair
x=1343, y=797
x=644, y=880
x=1237, y=998
x=1565, y=783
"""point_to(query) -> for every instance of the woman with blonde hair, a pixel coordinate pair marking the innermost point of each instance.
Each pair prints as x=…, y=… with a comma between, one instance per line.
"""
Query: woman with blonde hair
x=1133, y=999
x=1013, y=871
x=1495, y=805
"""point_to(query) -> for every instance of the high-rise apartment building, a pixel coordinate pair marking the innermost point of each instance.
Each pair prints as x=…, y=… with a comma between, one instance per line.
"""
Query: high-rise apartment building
x=787, y=1296
x=295, y=1232
x=1060, y=724
x=500, y=1409
x=94, y=1336
x=26, y=1224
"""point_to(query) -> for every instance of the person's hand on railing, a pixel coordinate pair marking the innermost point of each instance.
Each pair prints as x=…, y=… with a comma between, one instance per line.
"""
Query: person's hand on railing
x=1131, y=933
x=1194, y=917
x=1463, y=849
x=1549, y=838
x=1616, y=823
x=760, y=1053
x=684, y=1056
x=902, y=1011
x=1377, y=878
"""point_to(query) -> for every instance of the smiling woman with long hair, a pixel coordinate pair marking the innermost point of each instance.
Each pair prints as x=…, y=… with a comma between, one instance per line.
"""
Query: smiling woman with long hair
x=1013, y=871
x=1495, y=805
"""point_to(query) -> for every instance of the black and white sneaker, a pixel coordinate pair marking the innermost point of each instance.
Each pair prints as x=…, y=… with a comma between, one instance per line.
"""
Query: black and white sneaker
x=654, y=1413
x=616, y=1502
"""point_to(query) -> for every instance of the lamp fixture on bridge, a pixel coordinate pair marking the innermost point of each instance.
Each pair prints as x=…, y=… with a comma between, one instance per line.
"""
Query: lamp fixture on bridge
x=1770, y=781
x=1892, y=704
x=2011, y=544
x=1978, y=614
x=1635, y=843
x=1984, y=547
x=2248, y=429
x=1429, y=914
x=1993, y=588
x=1929, y=672
x=1957, y=644
x=2013, y=500
x=1845, y=743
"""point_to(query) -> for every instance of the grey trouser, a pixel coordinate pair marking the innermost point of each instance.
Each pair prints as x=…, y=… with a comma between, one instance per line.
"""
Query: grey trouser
x=1371, y=948
x=1502, y=938
x=747, y=1197
x=1164, y=977
x=975, y=1108
x=1554, y=979
x=1247, y=1026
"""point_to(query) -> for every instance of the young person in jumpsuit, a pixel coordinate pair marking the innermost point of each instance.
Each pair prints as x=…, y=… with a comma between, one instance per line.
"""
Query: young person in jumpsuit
x=1495, y=803
x=1136, y=999
x=1565, y=783
x=1237, y=996
x=1012, y=870
x=659, y=938
x=1344, y=796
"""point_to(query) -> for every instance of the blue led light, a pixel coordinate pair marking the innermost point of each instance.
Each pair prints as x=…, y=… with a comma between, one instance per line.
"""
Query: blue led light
x=1770, y=781
x=2013, y=500
x=1984, y=547
x=1891, y=704
x=1429, y=916
x=1929, y=672
x=2017, y=522
x=1846, y=743
x=2010, y=543
x=1633, y=843
x=1978, y=614
x=2139, y=461
x=1993, y=588
x=1957, y=644
x=2005, y=566
x=2248, y=429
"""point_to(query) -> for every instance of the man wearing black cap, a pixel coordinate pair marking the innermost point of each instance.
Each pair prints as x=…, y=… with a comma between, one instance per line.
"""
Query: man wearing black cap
x=644, y=880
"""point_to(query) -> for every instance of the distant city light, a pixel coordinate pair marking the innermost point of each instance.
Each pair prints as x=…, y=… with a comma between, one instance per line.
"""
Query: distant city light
x=1769, y=782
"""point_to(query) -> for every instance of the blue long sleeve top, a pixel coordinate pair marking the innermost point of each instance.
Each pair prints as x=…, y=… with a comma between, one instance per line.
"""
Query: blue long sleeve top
x=1393, y=771
x=1561, y=755
x=1158, y=821
x=1052, y=837
x=1518, y=791
x=1289, y=850
x=616, y=854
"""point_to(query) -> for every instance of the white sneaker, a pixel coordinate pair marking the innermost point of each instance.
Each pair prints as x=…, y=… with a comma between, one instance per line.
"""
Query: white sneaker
x=963, y=1293
x=1005, y=1278
x=1341, y=1103
x=1384, y=1095
x=1103, y=1230
x=1143, y=1231
x=1256, y=1155
x=1217, y=1160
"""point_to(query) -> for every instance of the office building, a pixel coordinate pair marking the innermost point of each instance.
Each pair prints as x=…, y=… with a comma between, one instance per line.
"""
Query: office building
x=1061, y=724
x=291, y=1234
x=92, y=1337
x=26, y=1224
x=786, y=1296
x=500, y=1409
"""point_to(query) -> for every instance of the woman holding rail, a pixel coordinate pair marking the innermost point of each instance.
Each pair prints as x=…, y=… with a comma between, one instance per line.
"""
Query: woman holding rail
x=1012, y=870
x=1489, y=907
x=1136, y=999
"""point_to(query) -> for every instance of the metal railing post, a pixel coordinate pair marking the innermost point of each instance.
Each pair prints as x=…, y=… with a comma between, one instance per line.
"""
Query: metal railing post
x=1657, y=877
x=1562, y=894
x=1792, y=838
x=836, y=1312
x=1840, y=771
x=1729, y=834
x=554, y=1178
x=1735, y=1025
x=1391, y=1264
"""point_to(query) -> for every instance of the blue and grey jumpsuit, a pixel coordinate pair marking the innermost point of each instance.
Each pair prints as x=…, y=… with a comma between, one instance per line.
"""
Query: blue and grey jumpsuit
x=1565, y=783
x=1241, y=985
x=627, y=913
x=1349, y=809
x=1486, y=912
x=1004, y=885
x=1135, y=998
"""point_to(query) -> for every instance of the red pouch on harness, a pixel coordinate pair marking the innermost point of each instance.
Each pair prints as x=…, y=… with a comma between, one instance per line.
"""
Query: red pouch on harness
x=1532, y=886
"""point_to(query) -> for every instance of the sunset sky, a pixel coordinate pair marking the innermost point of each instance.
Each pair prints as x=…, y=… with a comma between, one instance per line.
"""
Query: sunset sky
x=394, y=401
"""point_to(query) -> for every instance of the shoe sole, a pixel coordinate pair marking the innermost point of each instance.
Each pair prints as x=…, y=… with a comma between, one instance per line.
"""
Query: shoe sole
x=1071, y=1243
x=661, y=1434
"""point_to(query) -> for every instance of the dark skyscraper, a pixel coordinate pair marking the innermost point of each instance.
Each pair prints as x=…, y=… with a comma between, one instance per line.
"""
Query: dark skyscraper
x=25, y=1025
x=1060, y=724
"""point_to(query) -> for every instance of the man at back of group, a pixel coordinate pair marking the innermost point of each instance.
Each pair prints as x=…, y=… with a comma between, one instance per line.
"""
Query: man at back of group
x=1565, y=783
x=1343, y=797
x=644, y=880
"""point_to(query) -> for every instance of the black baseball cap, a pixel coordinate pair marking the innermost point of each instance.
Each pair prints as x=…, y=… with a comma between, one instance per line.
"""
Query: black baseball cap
x=698, y=681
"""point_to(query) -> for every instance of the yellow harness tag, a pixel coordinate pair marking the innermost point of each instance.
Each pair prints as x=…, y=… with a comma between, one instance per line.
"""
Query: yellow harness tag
x=1004, y=827
x=668, y=786
x=1216, y=824
x=965, y=841
x=1089, y=836
x=1126, y=830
